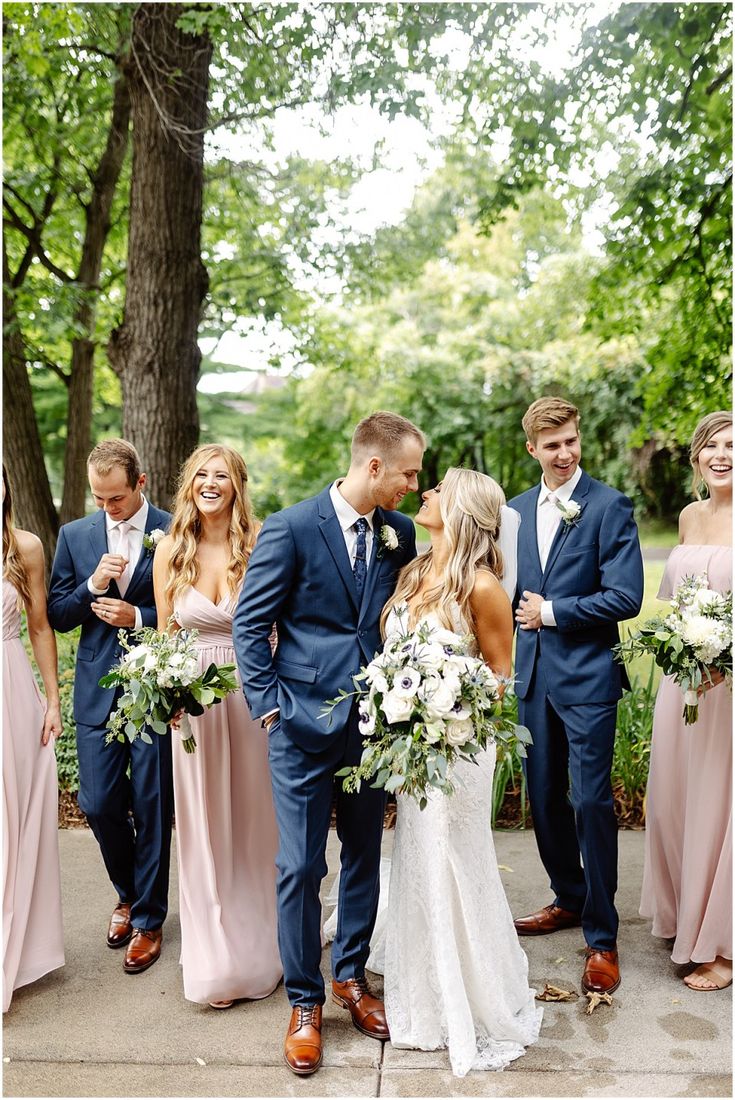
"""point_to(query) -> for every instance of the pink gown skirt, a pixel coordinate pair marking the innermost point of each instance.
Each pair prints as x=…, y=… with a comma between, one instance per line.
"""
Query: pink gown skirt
x=226, y=834
x=33, y=940
x=687, y=877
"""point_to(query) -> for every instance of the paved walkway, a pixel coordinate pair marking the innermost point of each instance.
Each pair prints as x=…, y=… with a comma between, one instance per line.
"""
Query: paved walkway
x=91, y=1030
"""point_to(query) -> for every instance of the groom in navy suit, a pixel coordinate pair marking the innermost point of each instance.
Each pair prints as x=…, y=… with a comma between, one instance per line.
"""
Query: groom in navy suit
x=579, y=573
x=322, y=571
x=101, y=581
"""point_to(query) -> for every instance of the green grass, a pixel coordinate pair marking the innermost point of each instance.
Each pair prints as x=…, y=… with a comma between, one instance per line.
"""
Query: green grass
x=653, y=571
x=658, y=533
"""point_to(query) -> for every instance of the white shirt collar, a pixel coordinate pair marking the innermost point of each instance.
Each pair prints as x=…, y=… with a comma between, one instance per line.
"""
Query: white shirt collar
x=138, y=520
x=346, y=514
x=564, y=491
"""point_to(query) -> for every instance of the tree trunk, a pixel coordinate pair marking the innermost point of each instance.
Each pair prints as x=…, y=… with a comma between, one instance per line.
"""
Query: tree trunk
x=81, y=380
x=22, y=452
x=155, y=350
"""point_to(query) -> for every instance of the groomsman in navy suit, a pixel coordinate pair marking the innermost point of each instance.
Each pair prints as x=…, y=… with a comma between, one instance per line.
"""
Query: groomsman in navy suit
x=101, y=581
x=580, y=573
x=322, y=571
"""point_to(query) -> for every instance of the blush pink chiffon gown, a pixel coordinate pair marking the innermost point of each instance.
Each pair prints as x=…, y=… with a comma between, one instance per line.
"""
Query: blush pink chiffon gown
x=33, y=939
x=687, y=877
x=225, y=832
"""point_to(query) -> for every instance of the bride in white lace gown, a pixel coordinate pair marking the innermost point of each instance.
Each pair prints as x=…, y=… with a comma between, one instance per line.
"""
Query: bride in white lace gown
x=455, y=974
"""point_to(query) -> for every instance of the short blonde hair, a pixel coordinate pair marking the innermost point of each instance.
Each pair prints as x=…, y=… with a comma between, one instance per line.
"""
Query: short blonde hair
x=382, y=434
x=116, y=452
x=548, y=412
x=707, y=427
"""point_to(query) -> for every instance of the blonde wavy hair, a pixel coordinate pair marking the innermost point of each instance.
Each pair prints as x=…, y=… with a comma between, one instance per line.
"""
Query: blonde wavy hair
x=470, y=504
x=186, y=524
x=707, y=427
x=14, y=568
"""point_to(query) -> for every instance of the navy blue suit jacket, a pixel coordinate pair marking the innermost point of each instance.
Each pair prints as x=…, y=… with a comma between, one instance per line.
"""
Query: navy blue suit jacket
x=300, y=578
x=594, y=576
x=80, y=546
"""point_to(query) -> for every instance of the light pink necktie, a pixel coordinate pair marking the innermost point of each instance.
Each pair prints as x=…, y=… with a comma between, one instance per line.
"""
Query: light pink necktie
x=123, y=548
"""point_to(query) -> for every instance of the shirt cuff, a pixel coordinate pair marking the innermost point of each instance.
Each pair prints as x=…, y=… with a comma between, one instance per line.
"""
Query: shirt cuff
x=96, y=591
x=547, y=613
x=138, y=619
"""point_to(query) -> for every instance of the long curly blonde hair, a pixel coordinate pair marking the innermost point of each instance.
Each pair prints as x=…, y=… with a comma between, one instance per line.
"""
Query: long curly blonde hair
x=470, y=504
x=14, y=568
x=186, y=524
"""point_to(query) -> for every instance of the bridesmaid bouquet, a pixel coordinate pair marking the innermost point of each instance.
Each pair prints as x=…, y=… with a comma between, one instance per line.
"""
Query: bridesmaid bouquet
x=425, y=704
x=689, y=643
x=161, y=678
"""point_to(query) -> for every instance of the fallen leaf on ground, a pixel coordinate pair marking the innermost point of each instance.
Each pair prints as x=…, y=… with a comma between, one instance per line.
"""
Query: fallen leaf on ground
x=554, y=993
x=505, y=867
x=675, y=1001
x=200, y=1061
x=596, y=999
x=6, y=1060
x=561, y=959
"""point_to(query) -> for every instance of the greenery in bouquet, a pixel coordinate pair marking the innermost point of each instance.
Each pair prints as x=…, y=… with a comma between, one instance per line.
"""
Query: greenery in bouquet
x=690, y=642
x=425, y=703
x=161, y=680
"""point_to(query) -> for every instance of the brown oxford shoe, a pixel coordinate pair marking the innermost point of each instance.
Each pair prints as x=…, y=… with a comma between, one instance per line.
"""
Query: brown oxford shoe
x=601, y=971
x=120, y=930
x=302, y=1050
x=143, y=950
x=368, y=1013
x=549, y=919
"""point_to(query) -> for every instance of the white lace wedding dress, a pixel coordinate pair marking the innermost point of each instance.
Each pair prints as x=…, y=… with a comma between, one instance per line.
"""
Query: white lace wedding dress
x=455, y=973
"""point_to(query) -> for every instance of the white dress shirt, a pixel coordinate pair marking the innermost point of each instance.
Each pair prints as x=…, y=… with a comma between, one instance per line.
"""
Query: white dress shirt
x=136, y=530
x=347, y=517
x=548, y=518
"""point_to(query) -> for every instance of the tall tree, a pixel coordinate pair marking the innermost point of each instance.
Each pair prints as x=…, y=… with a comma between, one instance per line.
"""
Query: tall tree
x=58, y=201
x=155, y=350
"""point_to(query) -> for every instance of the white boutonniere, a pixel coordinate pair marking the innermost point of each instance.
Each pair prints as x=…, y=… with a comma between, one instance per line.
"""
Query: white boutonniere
x=151, y=539
x=569, y=512
x=388, y=540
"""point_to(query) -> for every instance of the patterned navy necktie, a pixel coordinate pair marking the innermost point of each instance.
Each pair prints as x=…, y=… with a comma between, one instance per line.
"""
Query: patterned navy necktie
x=359, y=569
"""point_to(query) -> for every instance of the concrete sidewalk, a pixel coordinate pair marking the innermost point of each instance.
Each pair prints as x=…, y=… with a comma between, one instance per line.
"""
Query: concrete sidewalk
x=91, y=1030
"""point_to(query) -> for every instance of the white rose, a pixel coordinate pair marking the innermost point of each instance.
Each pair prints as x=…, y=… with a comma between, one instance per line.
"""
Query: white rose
x=136, y=654
x=430, y=656
x=459, y=732
x=397, y=708
x=389, y=537
x=441, y=702
x=571, y=509
x=380, y=684
x=707, y=600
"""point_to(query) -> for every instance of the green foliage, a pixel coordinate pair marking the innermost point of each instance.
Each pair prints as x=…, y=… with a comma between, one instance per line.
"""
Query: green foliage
x=632, y=751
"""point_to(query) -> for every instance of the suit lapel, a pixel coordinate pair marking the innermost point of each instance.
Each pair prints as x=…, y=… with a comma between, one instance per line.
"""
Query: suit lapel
x=335, y=540
x=530, y=519
x=153, y=520
x=563, y=529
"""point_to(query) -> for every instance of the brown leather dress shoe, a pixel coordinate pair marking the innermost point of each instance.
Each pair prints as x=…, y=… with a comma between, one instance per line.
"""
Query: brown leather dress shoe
x=368, y=1013
x=549, y=919
x=120, y=930
x=143, y=950
x=601, y=971
x=302, y=1050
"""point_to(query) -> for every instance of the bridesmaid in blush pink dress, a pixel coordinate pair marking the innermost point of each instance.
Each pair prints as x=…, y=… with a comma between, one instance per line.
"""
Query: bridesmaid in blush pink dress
x=33, y=942
x=687, y=878
x=225, y=822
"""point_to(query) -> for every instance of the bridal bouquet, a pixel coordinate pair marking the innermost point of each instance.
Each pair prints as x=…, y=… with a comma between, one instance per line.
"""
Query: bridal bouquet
x=425, y=703
x=160, y=676
x=689, y=643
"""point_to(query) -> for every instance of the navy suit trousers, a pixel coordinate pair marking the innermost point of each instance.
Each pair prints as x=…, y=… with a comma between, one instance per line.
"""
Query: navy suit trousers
x=303, y=783
x=136, y=850
x=569, y=788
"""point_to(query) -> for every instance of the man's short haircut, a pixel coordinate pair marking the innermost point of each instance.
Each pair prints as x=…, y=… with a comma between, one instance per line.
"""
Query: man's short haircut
x=116, y=452
x=548, y=412
x=383, y=433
